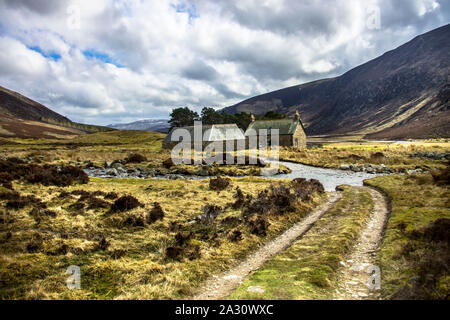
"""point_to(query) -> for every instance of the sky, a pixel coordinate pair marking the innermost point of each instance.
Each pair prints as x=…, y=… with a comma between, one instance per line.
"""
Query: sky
x=117, y=61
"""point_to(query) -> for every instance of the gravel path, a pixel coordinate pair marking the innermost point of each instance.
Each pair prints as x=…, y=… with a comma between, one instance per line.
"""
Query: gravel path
x=221, y=286
x=361, y=263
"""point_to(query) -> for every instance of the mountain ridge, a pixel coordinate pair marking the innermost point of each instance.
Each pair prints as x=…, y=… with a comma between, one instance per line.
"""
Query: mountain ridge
x=366, y=98
x=156, y=125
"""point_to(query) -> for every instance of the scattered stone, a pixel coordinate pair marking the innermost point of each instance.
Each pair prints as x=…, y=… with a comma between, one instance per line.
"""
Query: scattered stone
x=255, y=289
x=112, y=172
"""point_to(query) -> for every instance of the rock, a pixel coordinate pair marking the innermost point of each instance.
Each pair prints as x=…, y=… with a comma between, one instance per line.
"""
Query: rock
x=262, y=162
x=117, y=165
x=256, y=289
x=345, y=167
x=203, y=172
x=88, y=164
x=232, y=277
x=362, y=295
x=107, y=164
x=112, y=172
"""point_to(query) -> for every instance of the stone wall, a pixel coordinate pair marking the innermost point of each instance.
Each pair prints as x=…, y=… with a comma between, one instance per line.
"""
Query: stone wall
x=236, y=143
x=301, y=136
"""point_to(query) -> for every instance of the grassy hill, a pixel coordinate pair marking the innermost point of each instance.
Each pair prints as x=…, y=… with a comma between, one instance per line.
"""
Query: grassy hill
x=24, y=118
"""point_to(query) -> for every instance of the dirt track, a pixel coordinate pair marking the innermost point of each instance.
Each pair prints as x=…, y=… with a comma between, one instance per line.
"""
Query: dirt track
x=354, y=275
x=219, y=287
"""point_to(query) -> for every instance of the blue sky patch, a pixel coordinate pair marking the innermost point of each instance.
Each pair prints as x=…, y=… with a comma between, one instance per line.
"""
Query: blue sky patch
x=48, y=55
x=101, y=56
x=191, y=10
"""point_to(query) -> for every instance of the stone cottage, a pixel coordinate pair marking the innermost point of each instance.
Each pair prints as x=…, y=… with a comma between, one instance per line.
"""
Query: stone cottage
x=291, y=131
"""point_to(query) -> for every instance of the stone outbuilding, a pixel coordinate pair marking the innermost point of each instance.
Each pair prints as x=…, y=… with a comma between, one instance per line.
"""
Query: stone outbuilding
x=291, y=131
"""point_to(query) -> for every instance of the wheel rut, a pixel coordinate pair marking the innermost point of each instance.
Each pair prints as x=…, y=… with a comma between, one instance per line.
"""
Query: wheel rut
x=220, y=286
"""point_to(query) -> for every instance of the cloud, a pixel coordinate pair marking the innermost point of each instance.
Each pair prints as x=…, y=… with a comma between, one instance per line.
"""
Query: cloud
x=133, y=59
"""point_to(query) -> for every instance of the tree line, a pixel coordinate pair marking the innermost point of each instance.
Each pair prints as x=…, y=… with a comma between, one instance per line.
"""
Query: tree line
x=182, y=117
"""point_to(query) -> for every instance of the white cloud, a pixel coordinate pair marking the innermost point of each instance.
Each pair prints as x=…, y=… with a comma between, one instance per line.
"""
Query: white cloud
x=135, y=59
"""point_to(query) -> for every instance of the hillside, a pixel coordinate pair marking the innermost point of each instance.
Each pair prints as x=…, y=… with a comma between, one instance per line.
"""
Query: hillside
x=401, y=94
x=156, y=125
x=16, y=105
x=24, y=118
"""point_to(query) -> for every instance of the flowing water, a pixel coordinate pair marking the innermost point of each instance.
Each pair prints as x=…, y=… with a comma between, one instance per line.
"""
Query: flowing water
x=330, y=178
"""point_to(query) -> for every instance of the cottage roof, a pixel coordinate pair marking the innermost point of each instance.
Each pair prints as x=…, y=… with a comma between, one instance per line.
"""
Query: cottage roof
x=216, y=132
x=285, y=126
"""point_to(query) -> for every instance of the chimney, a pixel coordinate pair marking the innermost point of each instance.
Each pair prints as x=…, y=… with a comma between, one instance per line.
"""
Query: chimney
x=297, y=116
x=252, y=117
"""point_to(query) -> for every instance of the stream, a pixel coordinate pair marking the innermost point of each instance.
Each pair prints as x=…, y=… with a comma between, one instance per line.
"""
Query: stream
x=330, y=178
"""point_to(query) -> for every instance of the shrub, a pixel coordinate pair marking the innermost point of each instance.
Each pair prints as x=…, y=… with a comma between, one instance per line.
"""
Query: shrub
x=235, y=235
x=21, y=202
x=118, y=253
x=134, y=220
x=240, y=199
x=111, y=196
x=304, y=189
x=259, y=226
x=35, y=244
x=157, y=213
x=442, y=177
x=190, y=252
x=181, y=238
x=219, y=183
x=136, y=158
x=96, y=203
x=103, y=244
x=125, y=203
x=49, y=175
x=5, y=180
x=168, y=163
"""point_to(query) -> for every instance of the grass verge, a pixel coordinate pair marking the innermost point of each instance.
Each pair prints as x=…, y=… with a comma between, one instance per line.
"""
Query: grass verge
x=415, y=253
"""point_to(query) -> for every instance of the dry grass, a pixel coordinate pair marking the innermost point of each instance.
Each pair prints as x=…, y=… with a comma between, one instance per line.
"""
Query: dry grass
x=120, y=260
x=395, y=156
